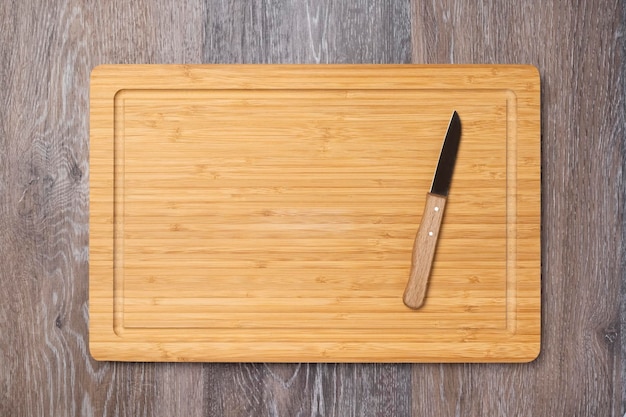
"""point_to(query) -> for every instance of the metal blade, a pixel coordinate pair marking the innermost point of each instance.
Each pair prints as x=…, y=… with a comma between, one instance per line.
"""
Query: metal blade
x=447, y=158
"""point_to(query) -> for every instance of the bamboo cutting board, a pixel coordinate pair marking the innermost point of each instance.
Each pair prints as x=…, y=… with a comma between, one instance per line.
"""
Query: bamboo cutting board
x=267, y=213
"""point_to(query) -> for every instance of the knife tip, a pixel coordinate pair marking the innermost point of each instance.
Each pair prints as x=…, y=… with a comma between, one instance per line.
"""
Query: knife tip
x=455, y=119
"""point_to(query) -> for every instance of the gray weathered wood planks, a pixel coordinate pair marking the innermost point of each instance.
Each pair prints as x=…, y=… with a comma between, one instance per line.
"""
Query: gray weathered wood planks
x=46, y=52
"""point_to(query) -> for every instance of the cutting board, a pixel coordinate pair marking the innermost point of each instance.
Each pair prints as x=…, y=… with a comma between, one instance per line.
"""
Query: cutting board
x=267, y=213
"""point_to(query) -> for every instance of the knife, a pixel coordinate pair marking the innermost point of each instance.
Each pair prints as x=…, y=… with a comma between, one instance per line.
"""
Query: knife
x=428, y=231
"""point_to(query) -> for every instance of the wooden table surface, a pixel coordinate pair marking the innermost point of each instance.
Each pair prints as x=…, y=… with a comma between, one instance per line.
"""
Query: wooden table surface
x=47, y=49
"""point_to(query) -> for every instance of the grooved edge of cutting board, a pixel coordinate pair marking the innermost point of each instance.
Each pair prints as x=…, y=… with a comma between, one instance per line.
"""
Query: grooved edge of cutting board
x=267, y=213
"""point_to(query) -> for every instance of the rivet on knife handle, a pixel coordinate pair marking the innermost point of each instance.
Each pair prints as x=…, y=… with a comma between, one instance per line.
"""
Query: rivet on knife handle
x=428, y=231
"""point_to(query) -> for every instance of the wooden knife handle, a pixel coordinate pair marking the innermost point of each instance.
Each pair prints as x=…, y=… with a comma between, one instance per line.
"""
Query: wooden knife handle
x=424, y=250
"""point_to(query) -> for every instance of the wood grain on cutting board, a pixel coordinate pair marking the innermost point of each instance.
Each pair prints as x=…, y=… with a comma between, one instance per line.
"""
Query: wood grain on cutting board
x=267, y=213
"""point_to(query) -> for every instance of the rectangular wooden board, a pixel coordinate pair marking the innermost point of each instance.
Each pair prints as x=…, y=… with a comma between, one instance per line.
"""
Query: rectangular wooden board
x=267, y=213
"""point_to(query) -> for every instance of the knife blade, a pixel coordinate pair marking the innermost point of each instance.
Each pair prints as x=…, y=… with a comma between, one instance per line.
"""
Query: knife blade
x=428, y=231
